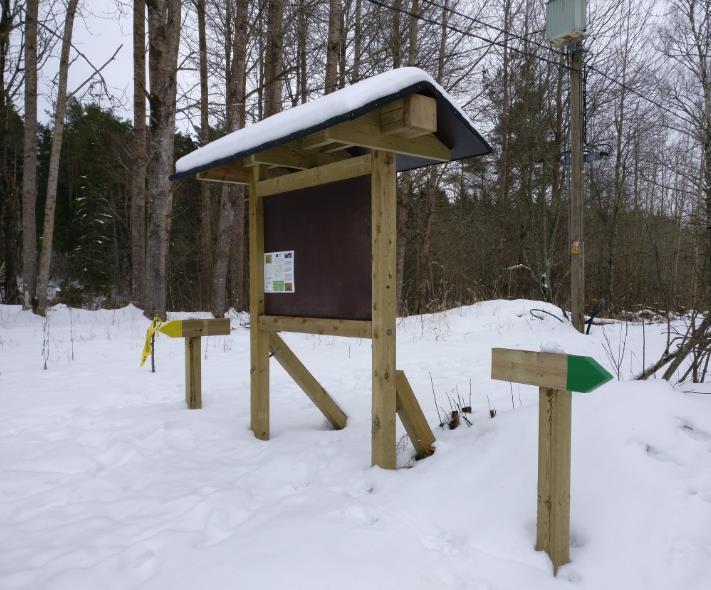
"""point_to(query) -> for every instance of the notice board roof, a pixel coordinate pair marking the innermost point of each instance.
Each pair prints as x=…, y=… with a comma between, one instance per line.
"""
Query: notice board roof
x=383, y=95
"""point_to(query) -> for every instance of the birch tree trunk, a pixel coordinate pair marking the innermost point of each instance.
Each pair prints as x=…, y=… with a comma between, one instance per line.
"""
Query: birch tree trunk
x=138, y=176
x=53, y=172
x=29, y=167
x=163, y=43
x=332, y=44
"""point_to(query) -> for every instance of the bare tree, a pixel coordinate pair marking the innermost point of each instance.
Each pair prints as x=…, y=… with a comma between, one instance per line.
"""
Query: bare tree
x=273, y=63
x=8, y=210
x=53, y=173
x=163, y=44
x=138, y=175
x=229, y=244
x=205, y=191
x=29, y=178
x=335, y=13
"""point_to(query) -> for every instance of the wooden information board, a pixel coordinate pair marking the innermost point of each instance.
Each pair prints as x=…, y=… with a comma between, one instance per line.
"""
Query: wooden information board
x=328, y=229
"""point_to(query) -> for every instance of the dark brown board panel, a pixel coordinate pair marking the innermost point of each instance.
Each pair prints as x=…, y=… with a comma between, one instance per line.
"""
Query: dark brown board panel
x=328, y=227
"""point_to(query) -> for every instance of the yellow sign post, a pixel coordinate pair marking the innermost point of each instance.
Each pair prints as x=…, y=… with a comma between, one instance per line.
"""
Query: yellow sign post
x=192, y=331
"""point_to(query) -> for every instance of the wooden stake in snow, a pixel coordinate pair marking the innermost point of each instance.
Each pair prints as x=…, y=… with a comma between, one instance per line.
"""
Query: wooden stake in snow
x=556, y=375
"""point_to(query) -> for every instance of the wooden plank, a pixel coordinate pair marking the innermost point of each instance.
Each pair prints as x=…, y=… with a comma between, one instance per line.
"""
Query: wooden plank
x=342, y=170
x=412, y=417
x=553, y=509
x=258, y=339
x=231, y=173
x=206, y=327
x=412, y=116
x=383, y=204
x=290, y=156
x=544, y=369
x=321, y=326
x=368, y=135
x=304, y=379
x=193, y=374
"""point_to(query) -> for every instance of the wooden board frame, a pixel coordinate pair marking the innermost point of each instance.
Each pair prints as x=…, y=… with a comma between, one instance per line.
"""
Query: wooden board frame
x=406, y=126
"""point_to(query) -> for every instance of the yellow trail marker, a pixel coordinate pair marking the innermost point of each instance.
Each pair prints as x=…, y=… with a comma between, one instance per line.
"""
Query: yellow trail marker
x=147, y=348
x=172, y=328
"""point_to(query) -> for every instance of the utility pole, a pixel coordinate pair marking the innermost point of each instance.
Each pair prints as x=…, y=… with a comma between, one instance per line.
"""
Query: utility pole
x=565, y=27
x=577, y=257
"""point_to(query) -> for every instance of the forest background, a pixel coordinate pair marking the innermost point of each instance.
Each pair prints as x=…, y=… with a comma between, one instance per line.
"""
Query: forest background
x=86, y=207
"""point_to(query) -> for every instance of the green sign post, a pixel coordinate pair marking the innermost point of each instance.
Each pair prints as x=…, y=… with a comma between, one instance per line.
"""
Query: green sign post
x=556, y=375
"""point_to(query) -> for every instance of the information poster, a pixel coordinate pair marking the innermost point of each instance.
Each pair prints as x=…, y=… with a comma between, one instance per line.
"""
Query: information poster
x=279, y=272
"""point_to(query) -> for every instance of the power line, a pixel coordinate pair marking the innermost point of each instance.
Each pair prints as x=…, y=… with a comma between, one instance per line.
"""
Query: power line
x=490, y=26
x=468, y=33
x=517, y=50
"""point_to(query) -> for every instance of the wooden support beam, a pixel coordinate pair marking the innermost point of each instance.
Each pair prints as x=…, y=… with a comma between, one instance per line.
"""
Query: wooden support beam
x=258, y=339
x=321, y=326
x=208, y=327
x=193, y=373
x=383, y=206
x=412, y=417
x=289, y=156
x=232, y=173
x=368, y=135
x=342, y=170
x=553, y=511
x=304, y=379
x=412, y=116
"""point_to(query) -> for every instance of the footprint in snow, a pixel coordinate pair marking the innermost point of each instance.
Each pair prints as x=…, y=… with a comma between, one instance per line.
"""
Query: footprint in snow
x=659, y=454
x=359, y=515
x=695, y=433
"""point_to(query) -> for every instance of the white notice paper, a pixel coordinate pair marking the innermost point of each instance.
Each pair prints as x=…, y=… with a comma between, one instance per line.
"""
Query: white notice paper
x=279, y=272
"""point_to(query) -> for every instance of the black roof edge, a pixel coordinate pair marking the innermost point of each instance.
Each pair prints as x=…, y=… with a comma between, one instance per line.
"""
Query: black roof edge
x=354, y=114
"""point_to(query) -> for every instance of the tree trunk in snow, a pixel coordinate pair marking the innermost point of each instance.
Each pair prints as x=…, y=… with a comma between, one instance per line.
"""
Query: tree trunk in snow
x=205, y=189
x=138, y=173
x=163, y=43
x=229, y=244
x=8, y=210
x=29, y=176
x=53, y=172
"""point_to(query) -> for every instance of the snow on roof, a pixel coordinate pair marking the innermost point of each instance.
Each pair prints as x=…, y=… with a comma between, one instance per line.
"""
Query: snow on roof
x=347, y=103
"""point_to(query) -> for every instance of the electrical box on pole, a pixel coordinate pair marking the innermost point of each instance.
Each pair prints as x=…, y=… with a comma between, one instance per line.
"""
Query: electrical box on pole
x=565, y=21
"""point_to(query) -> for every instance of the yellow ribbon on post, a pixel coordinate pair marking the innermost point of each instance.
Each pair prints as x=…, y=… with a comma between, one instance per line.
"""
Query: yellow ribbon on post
x=147, y=347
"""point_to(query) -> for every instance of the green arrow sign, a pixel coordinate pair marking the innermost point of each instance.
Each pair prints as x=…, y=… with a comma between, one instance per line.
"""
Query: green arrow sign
x=585, y=374
x=551, y=370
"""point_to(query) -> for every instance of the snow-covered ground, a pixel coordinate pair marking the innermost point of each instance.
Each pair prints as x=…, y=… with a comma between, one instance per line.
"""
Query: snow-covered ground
x=107, y=481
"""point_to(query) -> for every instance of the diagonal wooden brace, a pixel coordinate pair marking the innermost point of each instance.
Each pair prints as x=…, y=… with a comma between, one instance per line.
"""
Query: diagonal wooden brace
x=304, y=379
x=412, y=417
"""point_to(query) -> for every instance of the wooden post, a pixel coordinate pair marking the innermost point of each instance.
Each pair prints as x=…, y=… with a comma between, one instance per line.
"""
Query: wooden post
x=258, y=339
x=193, y=373
x=383, y=203
x=553, y=528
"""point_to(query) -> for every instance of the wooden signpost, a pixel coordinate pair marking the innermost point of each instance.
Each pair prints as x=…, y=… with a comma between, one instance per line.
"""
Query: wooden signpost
x=556, y=375
x=192, y=331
